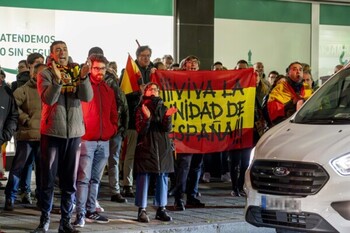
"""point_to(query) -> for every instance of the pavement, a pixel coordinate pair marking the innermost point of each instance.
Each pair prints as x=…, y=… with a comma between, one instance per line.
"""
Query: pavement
x=222, y=214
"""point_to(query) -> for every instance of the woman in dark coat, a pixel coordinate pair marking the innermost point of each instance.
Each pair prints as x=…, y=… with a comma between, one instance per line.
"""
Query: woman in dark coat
x=153, y=151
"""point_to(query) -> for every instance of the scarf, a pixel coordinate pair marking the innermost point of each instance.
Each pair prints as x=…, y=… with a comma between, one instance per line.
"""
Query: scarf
x=297, y=87
x=69, y=76
x=154, y=105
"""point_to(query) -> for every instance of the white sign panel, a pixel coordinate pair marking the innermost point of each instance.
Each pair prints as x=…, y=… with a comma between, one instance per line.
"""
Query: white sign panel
x=23, y=31
x=274, y=44
x=334, y=47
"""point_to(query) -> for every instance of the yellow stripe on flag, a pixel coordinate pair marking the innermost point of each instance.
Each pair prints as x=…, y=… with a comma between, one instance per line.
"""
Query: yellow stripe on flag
x=130, y=77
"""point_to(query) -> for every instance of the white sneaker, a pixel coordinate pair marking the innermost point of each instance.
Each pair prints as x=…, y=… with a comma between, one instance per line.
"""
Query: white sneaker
x=99, y=209
x=206, y=177
x=2, y=175
x=226, y=177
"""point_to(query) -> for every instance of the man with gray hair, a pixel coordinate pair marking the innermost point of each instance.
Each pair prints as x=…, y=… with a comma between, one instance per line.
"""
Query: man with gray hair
x=146, y=67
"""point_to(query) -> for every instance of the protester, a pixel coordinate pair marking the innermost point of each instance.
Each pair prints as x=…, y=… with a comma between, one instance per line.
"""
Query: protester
x=153, y=153
x=8, y=115
x=101, y=123
x=288, y=95
x=116, y=141
x=61, y=87
x=28, y=137
x=22, y=76
x=189, y=166
x=143, y=62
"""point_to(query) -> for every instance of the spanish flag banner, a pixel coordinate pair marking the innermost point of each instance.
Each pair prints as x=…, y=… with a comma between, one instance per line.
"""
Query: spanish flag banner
x=215, y=108
x=130, y=76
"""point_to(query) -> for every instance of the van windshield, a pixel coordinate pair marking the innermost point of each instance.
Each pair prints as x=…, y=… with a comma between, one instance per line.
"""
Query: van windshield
x=330, y=104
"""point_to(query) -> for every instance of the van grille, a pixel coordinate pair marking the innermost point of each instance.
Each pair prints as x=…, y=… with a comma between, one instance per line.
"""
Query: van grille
x=287, y=177
x=302, y=221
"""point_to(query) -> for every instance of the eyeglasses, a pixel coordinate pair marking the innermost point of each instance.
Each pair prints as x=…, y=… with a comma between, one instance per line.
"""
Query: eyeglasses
x=97, y=69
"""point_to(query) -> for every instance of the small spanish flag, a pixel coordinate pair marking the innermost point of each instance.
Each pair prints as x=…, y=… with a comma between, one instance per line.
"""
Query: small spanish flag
x=130, y=76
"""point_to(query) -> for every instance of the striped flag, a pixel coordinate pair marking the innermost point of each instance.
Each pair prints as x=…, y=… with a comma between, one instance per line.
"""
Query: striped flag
x=215, y=109
x=130, y=76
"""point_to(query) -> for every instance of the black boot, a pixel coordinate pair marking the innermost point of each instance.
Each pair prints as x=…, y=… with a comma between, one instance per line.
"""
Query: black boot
x=162, y=215
x=9, y=205
x=66, y=227
x=43, y=225
x=128, y=192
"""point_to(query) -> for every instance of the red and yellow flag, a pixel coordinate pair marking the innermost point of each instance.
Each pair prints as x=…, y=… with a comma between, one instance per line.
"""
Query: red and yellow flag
x=130, y=76
x=215, y=108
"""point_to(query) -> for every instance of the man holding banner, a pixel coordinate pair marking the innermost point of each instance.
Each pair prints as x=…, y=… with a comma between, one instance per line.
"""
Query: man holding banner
x=189, y=164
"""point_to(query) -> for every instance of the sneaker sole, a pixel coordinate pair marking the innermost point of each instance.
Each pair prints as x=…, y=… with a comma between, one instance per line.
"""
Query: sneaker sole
x=95, y=221
x=80, y=226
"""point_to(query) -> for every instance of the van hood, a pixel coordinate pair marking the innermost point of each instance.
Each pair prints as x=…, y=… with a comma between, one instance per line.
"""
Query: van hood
x=304, y=142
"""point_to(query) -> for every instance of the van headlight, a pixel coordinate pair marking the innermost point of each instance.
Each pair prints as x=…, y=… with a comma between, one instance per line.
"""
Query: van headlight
x=342, y=165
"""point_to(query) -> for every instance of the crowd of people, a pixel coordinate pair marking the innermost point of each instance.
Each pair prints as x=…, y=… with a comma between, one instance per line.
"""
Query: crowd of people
x=73, y=120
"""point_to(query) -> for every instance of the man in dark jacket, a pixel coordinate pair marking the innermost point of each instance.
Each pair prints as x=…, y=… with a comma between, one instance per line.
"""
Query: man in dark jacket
x=189, y=166
x=8, y=112
x=116, y=141
x=23, y=75
x=143, y=61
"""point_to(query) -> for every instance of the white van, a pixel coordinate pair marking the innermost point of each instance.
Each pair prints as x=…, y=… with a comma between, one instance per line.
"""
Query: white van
x=299, y=176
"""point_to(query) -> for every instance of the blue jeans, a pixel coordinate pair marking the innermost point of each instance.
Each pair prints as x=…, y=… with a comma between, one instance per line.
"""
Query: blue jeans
x=26, y=152
x=113, y=163
x=161, y=195
x=58, y=155
x=93, y=159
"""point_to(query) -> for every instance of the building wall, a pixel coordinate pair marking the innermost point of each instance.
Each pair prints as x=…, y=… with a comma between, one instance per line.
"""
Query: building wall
x=280, y=32
x=274, y=32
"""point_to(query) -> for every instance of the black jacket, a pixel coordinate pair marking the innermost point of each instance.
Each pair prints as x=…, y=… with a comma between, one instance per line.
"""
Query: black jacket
x=21, y=79
x=122, y=104
x=153, y=151
x=8, y=114
x=145, y=73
